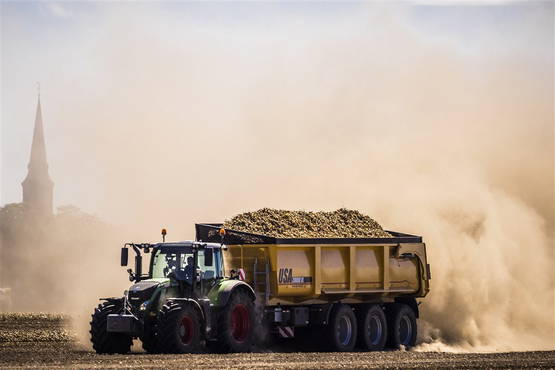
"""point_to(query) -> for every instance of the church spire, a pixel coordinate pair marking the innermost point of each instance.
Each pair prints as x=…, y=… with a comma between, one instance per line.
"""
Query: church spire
x=38, y=148
x=37, y=186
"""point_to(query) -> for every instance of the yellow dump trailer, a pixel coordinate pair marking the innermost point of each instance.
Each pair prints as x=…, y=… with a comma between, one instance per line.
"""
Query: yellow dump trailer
x=348, y=290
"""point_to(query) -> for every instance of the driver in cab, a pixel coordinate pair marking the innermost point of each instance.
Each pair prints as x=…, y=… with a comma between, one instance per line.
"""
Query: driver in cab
x=189, y=270
x=180, y=273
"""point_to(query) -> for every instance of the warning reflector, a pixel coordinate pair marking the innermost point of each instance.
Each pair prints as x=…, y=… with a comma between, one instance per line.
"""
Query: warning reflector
x=286, y=332
x=242, y=275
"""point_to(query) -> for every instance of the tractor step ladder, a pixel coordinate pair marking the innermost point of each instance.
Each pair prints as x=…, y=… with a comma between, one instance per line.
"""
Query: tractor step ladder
x=265, y=284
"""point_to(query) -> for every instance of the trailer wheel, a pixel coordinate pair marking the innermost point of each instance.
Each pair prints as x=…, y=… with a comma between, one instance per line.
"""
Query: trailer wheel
x=401, y=323
x=372, y=328
x=341, y=332
x=178, y=329
x=102, y=340
x=236, y=324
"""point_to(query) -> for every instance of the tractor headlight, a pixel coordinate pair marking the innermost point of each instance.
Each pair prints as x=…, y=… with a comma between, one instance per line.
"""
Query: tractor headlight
x=143, y=305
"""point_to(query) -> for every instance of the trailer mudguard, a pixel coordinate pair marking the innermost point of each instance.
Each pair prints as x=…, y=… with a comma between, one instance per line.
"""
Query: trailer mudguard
x=320, y=313
x=411, y=302
x=219, y=295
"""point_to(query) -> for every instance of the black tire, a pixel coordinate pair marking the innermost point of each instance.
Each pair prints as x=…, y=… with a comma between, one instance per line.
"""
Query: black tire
x=178, y=329
x=148, y=339
x=102, y=340
x=341, y=332
x=372, y=328
x=236, y=324
x=401, y=323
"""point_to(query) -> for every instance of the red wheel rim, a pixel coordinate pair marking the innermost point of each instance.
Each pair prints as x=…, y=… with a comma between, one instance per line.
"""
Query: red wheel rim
x=186, y=330
x=240, y=322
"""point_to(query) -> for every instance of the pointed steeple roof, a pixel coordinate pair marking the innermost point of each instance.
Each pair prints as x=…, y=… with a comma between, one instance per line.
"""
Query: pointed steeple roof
x=38, y=148
x=37, y=186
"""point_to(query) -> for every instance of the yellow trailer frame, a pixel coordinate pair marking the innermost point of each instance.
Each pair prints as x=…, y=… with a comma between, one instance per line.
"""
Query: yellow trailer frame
x=316, y=271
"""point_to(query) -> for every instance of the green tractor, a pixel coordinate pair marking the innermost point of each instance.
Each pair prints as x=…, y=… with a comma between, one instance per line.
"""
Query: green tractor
x=181, y=304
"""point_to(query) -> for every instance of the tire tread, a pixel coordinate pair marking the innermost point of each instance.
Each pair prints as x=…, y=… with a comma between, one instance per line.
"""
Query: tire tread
x=102, y=340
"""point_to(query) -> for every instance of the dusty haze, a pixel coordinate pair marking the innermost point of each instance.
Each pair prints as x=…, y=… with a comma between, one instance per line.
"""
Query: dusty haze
x=178, y=122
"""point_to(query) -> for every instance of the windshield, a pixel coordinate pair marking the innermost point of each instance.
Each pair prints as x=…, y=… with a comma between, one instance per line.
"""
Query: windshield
x=165, y=262
x=181, y=263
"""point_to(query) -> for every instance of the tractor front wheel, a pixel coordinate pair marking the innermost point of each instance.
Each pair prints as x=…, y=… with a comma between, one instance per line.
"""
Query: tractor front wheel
x=178, y=329
x=148, y=339
x=236, y=324
x=102, y=340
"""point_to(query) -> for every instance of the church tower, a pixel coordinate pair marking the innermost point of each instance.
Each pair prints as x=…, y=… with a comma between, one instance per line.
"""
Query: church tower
x=37, y=186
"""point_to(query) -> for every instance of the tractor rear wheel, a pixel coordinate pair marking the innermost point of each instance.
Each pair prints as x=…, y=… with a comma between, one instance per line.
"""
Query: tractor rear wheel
x=341, y=331
x=372, y=328
x=401, y=323
x=102, y=340
x=236, y=324
x=178, y=329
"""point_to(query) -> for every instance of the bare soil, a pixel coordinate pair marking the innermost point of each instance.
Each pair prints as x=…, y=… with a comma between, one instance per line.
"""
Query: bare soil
x=44, y=341
x=60, y=355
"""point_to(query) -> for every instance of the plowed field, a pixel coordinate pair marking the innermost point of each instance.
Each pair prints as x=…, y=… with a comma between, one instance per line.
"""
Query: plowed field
x=43, y=341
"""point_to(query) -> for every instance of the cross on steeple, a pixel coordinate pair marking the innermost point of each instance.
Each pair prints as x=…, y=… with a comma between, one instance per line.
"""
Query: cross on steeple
x=37, y=186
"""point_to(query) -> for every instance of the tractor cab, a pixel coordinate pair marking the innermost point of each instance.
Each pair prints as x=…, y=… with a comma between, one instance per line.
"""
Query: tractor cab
x=191, y=266
x=185, y=261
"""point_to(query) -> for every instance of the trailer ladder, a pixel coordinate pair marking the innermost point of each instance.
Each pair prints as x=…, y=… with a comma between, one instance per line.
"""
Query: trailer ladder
x=265, y=283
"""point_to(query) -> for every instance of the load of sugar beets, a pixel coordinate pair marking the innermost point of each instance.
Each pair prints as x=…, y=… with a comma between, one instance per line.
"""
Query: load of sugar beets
x=327, y=281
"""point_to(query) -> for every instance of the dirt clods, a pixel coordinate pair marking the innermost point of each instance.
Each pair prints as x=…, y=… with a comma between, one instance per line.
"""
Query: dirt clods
x=34, y=327
x=343, y=223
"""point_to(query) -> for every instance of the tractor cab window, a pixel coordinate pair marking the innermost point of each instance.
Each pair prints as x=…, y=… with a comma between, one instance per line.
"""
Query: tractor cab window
x=210, y=270
x=181, y=263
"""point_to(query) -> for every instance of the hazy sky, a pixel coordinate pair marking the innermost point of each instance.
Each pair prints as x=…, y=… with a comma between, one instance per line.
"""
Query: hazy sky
x=93, y=57
x=434, y=117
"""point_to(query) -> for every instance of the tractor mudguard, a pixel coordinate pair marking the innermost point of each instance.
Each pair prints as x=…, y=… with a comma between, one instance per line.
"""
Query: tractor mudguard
x=220, y=294
x=189, y=300
x=116, y=300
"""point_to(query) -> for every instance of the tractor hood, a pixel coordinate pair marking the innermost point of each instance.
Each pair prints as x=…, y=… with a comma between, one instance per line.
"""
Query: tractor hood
x=143, y=290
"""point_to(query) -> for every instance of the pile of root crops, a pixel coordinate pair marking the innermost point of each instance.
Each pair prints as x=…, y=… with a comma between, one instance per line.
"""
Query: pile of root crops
x=343, y=223
x=34, y=327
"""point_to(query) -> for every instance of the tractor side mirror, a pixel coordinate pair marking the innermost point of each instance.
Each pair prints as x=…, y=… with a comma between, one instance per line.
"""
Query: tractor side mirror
x=208, y=257
x=124, y=256
x=138, y=267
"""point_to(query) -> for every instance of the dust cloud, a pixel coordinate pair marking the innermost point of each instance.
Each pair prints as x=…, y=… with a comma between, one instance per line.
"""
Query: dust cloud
x=187, y=123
